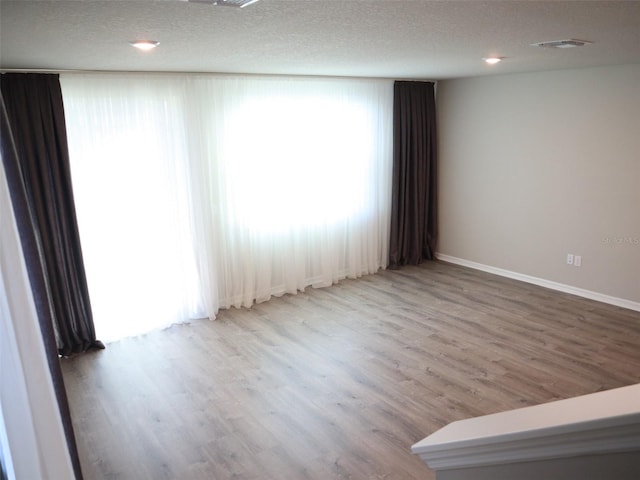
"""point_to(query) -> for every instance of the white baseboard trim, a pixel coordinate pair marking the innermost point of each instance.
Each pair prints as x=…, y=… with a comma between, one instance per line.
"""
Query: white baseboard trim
x=561, y=287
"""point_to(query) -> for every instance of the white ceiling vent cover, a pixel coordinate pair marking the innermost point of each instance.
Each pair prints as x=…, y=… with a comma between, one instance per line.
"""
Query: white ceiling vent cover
x=225, y=3
x=572, y=42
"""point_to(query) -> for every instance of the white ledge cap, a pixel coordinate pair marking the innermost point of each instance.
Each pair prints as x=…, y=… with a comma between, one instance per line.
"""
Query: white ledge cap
x=601, y=422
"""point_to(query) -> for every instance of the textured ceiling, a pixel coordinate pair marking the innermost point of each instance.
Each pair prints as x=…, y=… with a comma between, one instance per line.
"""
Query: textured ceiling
x=417, y=39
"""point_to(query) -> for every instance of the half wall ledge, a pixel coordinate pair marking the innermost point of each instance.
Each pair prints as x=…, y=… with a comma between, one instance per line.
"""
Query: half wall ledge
x=572, y=438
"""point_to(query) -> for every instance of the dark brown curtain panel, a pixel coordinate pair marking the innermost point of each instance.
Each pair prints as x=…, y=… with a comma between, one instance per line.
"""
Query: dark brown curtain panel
x=33, y=257
x=36, y=118
x=414, y=228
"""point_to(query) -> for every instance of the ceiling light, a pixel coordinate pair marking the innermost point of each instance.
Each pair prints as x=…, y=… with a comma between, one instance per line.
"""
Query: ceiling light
x=144, y=45
x=492, y=60
x=572, y=42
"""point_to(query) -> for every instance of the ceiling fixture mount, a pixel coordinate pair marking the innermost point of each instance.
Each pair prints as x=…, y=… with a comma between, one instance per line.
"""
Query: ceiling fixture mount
x=570, y=43
x=492, y=60
x=144, y=45
x=225, y=3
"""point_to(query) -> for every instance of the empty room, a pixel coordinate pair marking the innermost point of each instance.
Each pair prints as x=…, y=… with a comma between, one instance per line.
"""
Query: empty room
x=304, y=239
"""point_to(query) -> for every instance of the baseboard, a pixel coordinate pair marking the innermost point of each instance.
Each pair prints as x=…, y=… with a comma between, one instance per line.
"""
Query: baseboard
x=561, y=287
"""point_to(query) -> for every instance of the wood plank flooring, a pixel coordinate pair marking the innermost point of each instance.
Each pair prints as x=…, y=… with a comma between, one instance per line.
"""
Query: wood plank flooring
x=338, y=383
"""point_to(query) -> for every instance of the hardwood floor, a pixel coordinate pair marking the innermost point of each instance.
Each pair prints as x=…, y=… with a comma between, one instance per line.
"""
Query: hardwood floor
x=338, y=383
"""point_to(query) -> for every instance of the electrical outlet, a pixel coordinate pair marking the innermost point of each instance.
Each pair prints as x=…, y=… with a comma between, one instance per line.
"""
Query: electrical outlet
x=569, y=259
x=577, y=261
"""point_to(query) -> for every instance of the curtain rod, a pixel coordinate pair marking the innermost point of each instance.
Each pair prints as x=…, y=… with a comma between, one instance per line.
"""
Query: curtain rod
x=156, y=72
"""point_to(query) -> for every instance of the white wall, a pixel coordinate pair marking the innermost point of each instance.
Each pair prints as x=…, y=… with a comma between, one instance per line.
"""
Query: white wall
x=32, y=439
x=535, y=166
x=618, y=466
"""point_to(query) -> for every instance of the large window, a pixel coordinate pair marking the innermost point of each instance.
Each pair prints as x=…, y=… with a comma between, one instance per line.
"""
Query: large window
x=201, y=192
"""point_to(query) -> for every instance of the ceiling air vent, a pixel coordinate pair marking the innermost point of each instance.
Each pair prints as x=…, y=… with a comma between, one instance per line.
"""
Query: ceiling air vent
x=226, y=3
x=572, y=42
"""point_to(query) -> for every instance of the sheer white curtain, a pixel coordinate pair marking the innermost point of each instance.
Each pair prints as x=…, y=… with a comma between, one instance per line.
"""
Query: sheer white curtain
x=279, y=183
x=297, y=180
x=129, y=166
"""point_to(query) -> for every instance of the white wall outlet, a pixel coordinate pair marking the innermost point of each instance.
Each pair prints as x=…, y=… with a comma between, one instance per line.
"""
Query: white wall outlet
x=577, y=260
x=569, y=258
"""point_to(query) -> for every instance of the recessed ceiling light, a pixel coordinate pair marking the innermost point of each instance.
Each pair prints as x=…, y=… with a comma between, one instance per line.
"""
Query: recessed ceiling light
x=225, y=3
x=144, y=45
x=492, y=60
